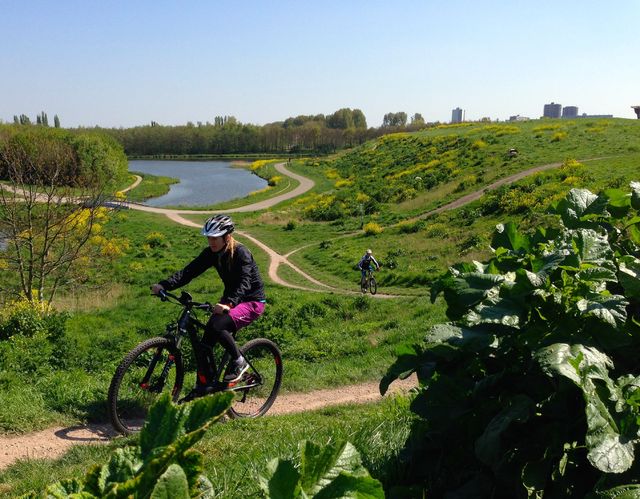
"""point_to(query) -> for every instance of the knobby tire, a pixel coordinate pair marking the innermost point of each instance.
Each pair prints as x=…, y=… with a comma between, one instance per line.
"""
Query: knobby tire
x=129, y=403
x=373, y=285
x=266, y=359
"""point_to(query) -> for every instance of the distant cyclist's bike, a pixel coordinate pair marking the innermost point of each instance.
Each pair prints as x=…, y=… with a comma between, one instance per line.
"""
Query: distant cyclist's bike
x=368, y=282
x=157, y=365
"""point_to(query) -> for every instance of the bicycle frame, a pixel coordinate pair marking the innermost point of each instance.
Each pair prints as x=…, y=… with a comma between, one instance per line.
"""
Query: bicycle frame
x=189, y=326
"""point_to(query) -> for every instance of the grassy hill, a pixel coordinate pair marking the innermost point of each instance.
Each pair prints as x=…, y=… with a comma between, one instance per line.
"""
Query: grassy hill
x=327, y=339
x=376, y=183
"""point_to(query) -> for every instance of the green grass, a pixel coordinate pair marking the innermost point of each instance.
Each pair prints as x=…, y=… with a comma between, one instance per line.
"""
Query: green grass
x=326, y=339
x=236, y=452
x=150, y=187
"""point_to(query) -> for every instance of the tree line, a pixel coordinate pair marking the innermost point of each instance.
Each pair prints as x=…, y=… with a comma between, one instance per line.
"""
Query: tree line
x=226, y=135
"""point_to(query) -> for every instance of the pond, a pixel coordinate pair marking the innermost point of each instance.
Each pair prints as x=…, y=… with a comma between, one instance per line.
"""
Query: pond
x=202, y=183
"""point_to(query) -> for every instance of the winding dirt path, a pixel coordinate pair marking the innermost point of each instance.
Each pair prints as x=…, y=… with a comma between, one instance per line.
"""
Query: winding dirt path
x=54, y=442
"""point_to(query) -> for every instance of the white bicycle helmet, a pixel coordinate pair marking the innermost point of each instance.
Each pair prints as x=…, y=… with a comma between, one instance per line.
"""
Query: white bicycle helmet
x=218, y=225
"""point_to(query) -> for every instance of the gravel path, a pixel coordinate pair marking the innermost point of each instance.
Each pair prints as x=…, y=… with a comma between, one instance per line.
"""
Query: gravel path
x=54, y=442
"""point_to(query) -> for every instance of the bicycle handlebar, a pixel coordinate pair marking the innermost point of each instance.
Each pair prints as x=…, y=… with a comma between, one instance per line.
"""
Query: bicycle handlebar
x=184, y=299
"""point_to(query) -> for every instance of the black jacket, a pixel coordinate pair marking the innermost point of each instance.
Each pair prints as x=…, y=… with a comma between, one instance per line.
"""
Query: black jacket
x=241, y=277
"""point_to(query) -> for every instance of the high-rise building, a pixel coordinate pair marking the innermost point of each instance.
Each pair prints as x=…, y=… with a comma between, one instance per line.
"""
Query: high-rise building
x=457, y=115
x=570, y=112
x=552, y=110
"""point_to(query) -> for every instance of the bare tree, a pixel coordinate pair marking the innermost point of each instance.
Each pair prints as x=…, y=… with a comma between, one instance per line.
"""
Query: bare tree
x=46, y=224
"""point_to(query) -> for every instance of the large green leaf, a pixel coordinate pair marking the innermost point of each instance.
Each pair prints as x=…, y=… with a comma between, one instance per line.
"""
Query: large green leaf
x=592, y=247
x=349, y=486
x=610, y=450
x=635, y=195
x=610, y=309
x=621, y=492
x=334, y=471
x=475, y=339
x=618, y=202
x=629, y=276
x=123, y=465
x=407, y=362
x=544, y=265
x=496, y=310
x=507, y=236
x=566, y=360
x=206, y=410
x=282, y=480
x=488, y=446
x=319, y=466
x=464, y=290
x=166, y=421
x=578, y=203
x=66, y=489
x=172, y=484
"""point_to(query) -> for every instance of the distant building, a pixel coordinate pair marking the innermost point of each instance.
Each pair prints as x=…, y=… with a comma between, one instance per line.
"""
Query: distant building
x=552, y=110
x=570, y=112
x=457, y=115
x=637, y=111
x=517, y=117
x=585, y=115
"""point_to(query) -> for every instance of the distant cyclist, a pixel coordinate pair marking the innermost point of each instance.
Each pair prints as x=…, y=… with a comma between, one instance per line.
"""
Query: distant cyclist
x=242, y=301
x=365, y=263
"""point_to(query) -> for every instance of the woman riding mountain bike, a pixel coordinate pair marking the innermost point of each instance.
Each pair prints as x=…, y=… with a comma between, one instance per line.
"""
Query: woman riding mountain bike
x=242, y=301
x=161, y=364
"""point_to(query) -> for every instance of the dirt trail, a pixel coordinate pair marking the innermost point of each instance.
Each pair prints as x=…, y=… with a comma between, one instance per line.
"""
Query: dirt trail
x=54, y=442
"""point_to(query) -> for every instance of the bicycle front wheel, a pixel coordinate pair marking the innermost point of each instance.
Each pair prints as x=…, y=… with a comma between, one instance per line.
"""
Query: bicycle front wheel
x=256, y=392
x=373, y=285
x=154, y=366
x=363, y=284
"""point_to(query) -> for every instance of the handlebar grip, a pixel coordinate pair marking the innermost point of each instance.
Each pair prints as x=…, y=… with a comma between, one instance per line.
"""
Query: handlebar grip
x=163, y=295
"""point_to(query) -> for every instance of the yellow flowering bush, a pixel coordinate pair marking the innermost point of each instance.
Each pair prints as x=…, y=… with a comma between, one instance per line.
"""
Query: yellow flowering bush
x=135, y=267
x=372, y=229
x=156, y=240
x=275, y=180
x=332, y=174
x=361, y=197
x=343, y=183
x=256, y=165
x=558, y=136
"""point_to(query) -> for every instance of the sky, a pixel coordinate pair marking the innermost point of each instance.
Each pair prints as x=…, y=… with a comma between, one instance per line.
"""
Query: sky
x=124, y=63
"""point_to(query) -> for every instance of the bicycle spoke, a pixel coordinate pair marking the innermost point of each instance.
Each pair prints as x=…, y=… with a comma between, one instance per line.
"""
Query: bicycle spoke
x=260, y=384
x=145, y=373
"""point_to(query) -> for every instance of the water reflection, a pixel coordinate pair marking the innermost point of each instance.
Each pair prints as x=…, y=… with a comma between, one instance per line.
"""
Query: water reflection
x=201, y=182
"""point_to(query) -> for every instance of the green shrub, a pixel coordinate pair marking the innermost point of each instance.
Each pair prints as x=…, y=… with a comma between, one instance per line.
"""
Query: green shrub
x=407, y=227
x=539, y=362
x=29, y=332
x=156, y=240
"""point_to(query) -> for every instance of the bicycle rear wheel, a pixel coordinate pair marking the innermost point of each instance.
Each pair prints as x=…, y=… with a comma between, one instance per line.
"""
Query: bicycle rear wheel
x=258, y=388
x=154, y=366
x=373, y=285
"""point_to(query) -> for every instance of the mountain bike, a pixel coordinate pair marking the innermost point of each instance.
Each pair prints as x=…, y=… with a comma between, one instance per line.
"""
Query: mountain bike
x=158, y=364
x=368, y=282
